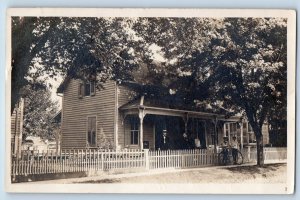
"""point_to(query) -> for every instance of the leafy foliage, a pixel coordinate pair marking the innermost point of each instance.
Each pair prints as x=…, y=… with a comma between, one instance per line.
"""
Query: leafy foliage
x=27, y=42
x=39, y=109
x=250, y=69
x=241, y=63
x=88, y=47
x=230, y=65
x=78, y=48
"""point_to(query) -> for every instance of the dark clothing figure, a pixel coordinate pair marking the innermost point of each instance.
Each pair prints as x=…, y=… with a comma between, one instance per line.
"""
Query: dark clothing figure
x=224, y=147
x=234, y=145
x=234, y=155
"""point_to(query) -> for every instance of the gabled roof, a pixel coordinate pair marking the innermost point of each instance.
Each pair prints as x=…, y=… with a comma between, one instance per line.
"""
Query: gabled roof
x=63, y=85
x=56, y=118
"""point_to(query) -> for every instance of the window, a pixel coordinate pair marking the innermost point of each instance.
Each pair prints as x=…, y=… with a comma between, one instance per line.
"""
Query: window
x=233, y=127
x=80, y=90
x=91, y=131
x=86, y=89
x=226, y=130
x=134, y=131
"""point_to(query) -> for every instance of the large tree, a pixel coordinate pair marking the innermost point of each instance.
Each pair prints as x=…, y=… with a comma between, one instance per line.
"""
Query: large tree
x=241, y=61
x=26, y=42
x=250, y=70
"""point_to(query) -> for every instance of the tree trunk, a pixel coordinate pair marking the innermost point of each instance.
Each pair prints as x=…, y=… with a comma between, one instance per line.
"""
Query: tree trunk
x=260, y=149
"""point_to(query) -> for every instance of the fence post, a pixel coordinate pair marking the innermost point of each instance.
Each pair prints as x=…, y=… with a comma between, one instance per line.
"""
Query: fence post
x=147, y=161
x=249, y=154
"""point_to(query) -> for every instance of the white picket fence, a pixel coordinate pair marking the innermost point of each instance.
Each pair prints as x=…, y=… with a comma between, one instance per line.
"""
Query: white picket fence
x=77, y=161
x=182, y=158
x=34, y=162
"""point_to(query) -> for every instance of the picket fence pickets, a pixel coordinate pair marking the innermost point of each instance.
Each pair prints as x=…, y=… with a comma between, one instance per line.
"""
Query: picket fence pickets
x=85, y=160
x=181, y=158
x=76, y=161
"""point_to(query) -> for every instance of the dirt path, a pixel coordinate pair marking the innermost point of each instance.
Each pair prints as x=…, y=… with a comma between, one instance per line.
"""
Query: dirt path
x=273, y=173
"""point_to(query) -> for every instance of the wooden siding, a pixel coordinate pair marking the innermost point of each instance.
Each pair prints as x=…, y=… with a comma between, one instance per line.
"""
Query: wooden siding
x=148, y=134
x=110, y=122
x=76, y=111
x=125, y=95
x=248, y=137
x=246, y=134
x=16, y=127
x=210, y=134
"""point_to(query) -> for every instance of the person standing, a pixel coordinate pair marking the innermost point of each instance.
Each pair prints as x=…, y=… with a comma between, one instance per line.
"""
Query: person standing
x=235, y=146
x=224, y=146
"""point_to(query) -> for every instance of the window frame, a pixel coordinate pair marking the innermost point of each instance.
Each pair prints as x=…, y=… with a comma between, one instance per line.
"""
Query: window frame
x=87, y=131
x=82, y=89
x=134, y=130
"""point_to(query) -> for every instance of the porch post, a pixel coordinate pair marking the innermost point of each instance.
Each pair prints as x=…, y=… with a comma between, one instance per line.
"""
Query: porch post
x=185, y=119
x=215, y=121
x=224, y=129
x=242, y=137
x=247, y=128
x=141, y=116
x=205, y=132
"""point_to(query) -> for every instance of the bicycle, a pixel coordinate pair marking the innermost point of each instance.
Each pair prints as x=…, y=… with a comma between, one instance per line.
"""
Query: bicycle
x=225, y=157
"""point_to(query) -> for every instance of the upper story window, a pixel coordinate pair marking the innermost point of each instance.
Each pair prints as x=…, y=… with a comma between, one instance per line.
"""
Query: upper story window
x=86, y=89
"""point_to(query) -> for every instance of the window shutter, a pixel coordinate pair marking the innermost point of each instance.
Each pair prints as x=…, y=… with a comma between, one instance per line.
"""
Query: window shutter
x=80, y=90
x=93, y=88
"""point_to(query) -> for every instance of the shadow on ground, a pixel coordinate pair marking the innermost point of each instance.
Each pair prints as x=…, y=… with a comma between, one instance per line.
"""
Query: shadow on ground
x=102, y=181
x=255, y=169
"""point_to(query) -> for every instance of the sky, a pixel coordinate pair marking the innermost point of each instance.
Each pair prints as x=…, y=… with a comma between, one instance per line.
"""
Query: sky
x=55, y=85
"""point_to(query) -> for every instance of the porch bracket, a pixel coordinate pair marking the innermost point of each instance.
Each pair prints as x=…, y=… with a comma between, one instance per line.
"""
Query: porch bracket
x=123, y=116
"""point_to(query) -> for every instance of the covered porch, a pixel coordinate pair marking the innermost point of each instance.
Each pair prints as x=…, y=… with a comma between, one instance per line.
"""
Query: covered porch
x=177, y=128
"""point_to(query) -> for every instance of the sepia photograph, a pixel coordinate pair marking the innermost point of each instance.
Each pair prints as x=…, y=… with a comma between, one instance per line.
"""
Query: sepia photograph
x=150, y=101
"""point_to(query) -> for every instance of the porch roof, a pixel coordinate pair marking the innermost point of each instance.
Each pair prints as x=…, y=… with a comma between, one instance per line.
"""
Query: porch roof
x=134, y=108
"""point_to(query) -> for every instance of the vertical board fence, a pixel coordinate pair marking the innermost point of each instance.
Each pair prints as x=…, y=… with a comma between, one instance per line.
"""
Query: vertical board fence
x=85, y=160
x=271, y=154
